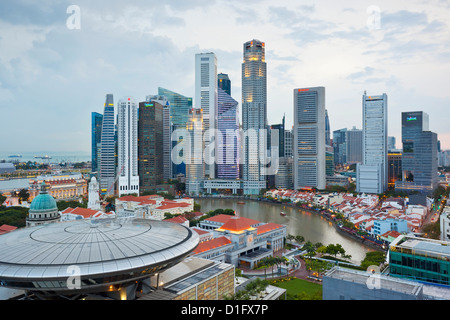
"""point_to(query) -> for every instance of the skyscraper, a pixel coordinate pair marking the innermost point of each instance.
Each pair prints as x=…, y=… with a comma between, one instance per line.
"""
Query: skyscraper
x=419, y=157
x=372, y=174
x=254, y=116
x=167, y=135
x=227, y=155
x=180, y=106
x=206, y=98
x=309, y=138
x=195, y=165
x=224, y=82
x=150, y=145
x=354, y=146
x=96, y=135
x=327, y=129
x=340, y=146
x=108, y=149
x=127, y=143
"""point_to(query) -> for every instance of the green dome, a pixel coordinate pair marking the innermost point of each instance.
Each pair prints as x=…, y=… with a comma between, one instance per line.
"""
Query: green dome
x=44, y=201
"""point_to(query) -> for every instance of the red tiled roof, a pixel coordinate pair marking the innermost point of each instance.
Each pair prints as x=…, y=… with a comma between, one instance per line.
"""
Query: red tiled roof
x=211, y=244
x=6, y=228
x=268, y=227
x=237, y=224
x=177, y=219
x=86, y=213
x=391, y=233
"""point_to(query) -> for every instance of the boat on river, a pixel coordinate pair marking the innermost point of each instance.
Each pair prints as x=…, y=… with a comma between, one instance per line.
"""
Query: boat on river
x=282, y=213
x=241, y=202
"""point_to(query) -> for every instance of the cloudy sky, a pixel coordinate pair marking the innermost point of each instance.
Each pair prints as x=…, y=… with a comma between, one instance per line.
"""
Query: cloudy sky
x=55, y=69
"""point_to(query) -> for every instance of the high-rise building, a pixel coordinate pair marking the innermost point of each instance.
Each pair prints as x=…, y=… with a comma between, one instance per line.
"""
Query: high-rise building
x=254, y=116
x=107, y=158
x=227, y=152
x=288, y=144
x=96, y=136
x=353, y=145
x=391, y=143
x=394, y=168
x=340, y=146
x=150, y=145
x=372, y=174
x=206, y=98
x=127, y=146
x=167, y=135
x=419, y=157
x=224, y=82
x=327, y=129
x=195, y=165
x=309, y=138
x=180, y=106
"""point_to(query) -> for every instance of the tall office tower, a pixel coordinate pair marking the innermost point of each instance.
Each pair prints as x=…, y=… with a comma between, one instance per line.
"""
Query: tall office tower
x=167, y=132
x=107, y=157
x=354, y=146
x=127, y=146
x=254, y=116
x=150, y=145
x=206, y=98
x=224, y=82
x=372, y=174
x=288, y=144
x=419, y=158
x=96, y=136
x=391, y=144
x=179, y=114
x=327, y=129
x=340, y=146
x=195, y=165
x=309, y=138
x=394, y=168
x=278, y=129
x=227, y=155
x=329, y=161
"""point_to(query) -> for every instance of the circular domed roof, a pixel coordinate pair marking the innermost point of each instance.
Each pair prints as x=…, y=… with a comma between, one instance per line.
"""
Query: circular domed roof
x=44, y=201
x=103, y=252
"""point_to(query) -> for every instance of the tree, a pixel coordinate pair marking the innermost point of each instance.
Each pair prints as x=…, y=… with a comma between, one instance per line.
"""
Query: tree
x=24, y=195
x=2, y=199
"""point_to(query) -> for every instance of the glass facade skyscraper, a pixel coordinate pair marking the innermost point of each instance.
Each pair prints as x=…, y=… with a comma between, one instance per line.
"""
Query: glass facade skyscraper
x=108, y=149
x=224, y=82
x=227, y=155
x=96, y=136
x=309, y=138
x=419, y=157
x=254, y=116
x=179, y=109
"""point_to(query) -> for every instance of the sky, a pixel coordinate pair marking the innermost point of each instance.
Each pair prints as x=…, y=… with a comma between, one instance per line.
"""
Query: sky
x=59, y=59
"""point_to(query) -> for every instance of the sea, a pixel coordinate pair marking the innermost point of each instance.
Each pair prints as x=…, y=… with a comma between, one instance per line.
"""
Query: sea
x=46, y=157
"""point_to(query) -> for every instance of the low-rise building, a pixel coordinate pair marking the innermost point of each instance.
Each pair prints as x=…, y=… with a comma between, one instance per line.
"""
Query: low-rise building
x=240, y=241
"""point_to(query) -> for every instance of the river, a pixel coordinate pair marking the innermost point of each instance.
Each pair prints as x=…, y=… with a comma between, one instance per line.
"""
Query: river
x=311, y=226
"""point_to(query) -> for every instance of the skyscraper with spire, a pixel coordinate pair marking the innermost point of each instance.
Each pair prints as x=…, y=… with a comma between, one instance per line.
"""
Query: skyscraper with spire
x=254, y=116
